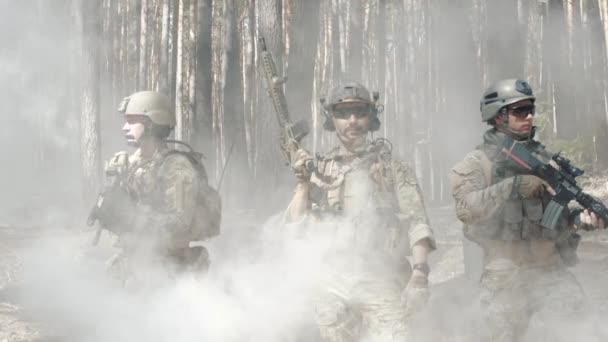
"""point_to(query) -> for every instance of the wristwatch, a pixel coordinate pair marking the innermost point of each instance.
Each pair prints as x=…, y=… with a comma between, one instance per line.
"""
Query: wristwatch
x=422, y=267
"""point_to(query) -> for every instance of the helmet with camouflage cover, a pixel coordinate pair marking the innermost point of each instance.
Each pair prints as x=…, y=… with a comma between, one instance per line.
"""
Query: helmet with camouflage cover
x=503, y=93
x=350, y=92
x=151, y=104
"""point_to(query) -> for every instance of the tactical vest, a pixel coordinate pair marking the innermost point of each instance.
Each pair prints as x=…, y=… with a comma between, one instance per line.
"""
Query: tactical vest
x=361, y=188
x=517, y=218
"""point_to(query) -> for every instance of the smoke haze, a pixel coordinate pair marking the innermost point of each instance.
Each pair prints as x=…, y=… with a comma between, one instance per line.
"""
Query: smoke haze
x=263, y=280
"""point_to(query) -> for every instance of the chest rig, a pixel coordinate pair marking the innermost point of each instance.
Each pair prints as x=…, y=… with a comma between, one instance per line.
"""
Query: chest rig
x=362, y=181
x=357, y=190
x=518, y=218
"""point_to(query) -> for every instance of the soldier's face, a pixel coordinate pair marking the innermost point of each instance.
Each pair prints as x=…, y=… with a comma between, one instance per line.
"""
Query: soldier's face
x=133, y=129
x=352, y=121
x=521, y=116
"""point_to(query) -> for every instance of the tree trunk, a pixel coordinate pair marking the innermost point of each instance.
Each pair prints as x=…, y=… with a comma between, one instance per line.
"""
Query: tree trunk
x=184, y=71
x=247, y=39
x=163, y=78
x=143, y=46
x=301, y=59
x=204, y=81
x=133, y=22
x=89, y=124
x=219, y=82
x=268, y=162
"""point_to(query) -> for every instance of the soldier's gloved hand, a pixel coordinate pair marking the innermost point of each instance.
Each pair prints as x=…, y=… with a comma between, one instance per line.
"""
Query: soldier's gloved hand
x=416, y=294
x=301, y=162
x=118, y=164
x=589, y=221
x=530, y=186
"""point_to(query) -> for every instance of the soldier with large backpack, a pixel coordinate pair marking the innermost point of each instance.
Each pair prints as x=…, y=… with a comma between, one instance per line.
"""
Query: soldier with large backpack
x=157, y=201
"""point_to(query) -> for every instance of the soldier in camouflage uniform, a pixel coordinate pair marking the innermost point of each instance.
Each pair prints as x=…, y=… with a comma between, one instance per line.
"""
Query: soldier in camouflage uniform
x=501, y=205
x=371, y=206
x=163, y=186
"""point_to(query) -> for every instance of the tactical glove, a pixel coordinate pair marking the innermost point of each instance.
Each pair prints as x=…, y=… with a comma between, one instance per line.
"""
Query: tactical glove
x=300, y=164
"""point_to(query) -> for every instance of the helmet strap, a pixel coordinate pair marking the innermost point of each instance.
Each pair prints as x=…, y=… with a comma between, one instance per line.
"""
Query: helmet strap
x=504, y=128
x=505, y=115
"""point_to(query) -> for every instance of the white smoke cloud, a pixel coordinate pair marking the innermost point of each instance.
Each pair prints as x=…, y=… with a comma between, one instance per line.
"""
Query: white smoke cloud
x=247, y=296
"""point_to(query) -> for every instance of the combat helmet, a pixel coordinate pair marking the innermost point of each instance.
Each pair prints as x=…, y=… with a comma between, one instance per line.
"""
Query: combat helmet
x=151, y=104
x=350, y=92
x=503, y=93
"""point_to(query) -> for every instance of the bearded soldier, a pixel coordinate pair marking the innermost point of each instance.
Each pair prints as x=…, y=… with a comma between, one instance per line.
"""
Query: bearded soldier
x=160, y=201
x=501, y=205
x=371, y=206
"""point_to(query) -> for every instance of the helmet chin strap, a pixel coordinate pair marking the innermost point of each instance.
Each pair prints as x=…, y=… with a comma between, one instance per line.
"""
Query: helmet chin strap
x=519, y=136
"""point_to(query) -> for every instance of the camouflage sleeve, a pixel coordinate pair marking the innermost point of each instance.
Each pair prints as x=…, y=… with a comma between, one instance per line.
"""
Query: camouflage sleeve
x=411, y=205
x=179, y=184
x=475, y=198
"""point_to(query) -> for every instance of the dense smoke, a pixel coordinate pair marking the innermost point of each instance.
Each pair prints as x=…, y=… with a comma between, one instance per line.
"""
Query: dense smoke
x=258, y=289
x=263, y=280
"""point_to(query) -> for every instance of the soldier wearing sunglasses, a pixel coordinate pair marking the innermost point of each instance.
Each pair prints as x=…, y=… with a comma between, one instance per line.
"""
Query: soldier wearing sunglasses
x=501, y=205
x=371, y=207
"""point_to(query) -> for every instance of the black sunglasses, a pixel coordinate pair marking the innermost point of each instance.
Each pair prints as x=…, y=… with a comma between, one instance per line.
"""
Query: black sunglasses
x=345, y=112
x=523, y=111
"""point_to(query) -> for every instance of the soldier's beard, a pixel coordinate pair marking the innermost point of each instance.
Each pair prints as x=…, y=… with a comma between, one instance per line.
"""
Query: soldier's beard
x=131, y=141
x=352, y=138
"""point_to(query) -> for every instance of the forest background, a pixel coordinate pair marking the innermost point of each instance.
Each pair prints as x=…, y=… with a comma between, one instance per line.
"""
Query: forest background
x=66, y=64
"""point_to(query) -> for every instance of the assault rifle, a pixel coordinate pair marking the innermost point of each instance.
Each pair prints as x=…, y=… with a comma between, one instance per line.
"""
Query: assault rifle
x=291, y=134
x=562, y=180
x=111, y=208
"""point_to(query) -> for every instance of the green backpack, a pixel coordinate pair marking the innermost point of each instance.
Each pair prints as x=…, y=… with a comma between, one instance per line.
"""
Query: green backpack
x=209, y=204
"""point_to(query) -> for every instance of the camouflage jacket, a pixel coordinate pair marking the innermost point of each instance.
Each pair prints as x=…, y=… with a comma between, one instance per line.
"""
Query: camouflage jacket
x=375, y=191
x=164, y=190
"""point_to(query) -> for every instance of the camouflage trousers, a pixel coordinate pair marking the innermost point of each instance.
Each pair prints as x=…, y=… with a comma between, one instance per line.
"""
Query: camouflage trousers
x=522, y=303
x=361, y=307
